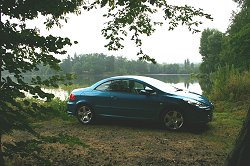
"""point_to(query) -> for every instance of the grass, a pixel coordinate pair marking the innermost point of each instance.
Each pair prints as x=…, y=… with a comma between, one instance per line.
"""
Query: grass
x=63, y=139
x=230, y=92
x=226, y=127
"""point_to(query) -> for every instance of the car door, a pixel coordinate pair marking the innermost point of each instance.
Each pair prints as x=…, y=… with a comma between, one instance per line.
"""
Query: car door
x=108, y=98
x=136, y=104
x=101, y=100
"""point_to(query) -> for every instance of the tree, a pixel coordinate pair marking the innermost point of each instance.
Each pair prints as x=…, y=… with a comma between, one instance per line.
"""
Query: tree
x=23, y=48
x=237, y=51
x=66, y=65
x=210, y=48
x=103, y=64
x=187, y=66
x=231, y=48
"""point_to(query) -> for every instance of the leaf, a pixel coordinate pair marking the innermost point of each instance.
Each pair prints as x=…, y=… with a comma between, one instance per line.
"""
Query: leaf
x=104, y=3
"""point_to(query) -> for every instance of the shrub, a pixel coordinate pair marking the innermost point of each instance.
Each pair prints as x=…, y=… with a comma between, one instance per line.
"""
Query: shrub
x=36, y=109
x=230, y=84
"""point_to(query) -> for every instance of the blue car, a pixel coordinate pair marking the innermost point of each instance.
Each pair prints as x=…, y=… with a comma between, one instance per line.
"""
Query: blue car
x=139, y=97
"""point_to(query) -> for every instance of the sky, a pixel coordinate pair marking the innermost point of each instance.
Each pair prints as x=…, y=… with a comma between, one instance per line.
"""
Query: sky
x=165, y=46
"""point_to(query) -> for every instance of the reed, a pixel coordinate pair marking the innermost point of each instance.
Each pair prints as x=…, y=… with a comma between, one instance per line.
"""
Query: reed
x=230, y=84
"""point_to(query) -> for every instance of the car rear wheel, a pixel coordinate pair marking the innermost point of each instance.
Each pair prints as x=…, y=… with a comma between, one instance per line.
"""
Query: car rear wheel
x=85, y=114
x=173, y=120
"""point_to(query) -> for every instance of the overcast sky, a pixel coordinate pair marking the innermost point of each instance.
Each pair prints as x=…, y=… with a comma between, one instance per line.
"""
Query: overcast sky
x=165, y=46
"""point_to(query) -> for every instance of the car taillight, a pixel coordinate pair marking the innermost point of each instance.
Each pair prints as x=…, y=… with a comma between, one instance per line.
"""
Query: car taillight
x=72, y=97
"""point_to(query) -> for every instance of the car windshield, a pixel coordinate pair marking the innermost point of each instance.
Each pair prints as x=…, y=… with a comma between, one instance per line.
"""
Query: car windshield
x=160, y=85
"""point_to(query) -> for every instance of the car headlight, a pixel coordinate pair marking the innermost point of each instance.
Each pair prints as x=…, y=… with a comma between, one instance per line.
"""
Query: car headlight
x=195, y=103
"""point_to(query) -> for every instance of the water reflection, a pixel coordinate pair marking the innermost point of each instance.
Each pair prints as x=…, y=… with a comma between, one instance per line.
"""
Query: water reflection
x=192, y=87
x=205, y=84
x=175, y=79
x=59, y=93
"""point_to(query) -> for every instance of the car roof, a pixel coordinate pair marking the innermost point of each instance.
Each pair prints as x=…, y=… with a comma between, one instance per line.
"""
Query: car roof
x=145, y=79
x=142, y=78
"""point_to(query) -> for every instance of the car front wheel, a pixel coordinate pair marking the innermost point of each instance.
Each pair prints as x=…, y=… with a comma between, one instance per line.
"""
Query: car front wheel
x=85, y=114
x=173, y=120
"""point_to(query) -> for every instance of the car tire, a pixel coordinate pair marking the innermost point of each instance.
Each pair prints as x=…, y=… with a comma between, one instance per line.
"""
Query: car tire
x=173, y=120
x=85, y=114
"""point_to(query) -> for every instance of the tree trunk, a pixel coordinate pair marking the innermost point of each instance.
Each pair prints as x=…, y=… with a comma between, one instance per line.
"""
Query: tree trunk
x=1, y=44
x=241, y=152
x=1, y=153
x=0, y=47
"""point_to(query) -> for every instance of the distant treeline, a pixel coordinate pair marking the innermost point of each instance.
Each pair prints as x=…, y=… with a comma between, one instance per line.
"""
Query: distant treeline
x=103, y=64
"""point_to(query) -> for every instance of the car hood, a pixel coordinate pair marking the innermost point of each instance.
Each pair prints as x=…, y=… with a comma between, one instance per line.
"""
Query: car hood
x=190, y=95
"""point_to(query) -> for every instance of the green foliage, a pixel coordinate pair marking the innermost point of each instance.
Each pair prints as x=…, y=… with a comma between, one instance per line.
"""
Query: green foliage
x=240, y=18
x=30, y=110
x=22, y=49
x=100, y=64
x=210, y=48
x=229, y=84
x=35, y=109
x=236, y=49
x=226, y=58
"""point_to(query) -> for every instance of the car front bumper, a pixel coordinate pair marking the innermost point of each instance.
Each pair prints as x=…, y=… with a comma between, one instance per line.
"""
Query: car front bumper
x=199, y=115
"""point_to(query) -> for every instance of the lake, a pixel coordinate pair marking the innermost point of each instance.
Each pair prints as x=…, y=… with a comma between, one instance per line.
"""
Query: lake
x=179, y=81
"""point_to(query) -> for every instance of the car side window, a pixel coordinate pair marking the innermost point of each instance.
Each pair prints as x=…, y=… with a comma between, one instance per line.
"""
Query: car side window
x=104, y=86
x=114, y=86
x=127, y=86
x=139, y=88
x=135, y=87
x=143, y=89
x=118, y=86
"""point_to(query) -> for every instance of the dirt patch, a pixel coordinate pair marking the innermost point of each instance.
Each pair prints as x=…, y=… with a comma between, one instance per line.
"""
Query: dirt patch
x=113, y=143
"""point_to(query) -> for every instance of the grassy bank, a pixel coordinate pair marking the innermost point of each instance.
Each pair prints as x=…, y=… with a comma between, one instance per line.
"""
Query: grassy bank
x=229, y=84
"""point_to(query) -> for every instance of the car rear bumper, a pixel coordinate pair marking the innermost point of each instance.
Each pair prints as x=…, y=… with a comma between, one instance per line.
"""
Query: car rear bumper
x=71, y=108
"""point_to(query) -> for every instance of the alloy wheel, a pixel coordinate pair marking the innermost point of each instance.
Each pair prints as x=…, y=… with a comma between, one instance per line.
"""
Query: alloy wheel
x=85, y=114
x=173, y=120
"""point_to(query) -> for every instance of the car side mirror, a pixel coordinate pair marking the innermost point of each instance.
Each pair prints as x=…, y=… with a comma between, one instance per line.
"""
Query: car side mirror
x=144, y=92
